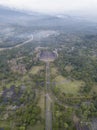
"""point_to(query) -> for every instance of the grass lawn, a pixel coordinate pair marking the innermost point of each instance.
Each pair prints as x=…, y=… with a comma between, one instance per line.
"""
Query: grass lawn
x=5, y=125
x=68, y=86
x=54, y=71
x=36, y=69
x=38, y=126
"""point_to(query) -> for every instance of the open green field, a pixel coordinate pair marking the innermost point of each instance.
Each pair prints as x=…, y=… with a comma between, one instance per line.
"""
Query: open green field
x=67, y=86
x=5, y=124
x=54, y=71
x=38, y=126
x=36, y=69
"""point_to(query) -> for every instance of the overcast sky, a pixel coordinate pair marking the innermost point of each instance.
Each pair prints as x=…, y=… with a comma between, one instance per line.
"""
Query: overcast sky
x=51, y=5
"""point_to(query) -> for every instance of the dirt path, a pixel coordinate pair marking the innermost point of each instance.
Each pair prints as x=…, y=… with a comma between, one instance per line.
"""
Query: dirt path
x=48, y=115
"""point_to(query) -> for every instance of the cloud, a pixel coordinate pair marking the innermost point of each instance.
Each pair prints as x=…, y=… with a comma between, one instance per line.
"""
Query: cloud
x=50, y=5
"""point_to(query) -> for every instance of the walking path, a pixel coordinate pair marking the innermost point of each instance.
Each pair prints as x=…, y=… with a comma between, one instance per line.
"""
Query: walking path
x=48, y=122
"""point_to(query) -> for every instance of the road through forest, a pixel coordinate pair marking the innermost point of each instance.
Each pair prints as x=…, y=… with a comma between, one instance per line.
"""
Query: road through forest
x=19, y=45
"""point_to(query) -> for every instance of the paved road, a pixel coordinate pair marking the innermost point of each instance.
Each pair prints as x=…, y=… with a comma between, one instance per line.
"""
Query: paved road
x=25, y=42
x=48, y=122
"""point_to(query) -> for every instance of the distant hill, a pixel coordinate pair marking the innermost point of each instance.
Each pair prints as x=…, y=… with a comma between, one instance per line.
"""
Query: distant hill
x=34, y=19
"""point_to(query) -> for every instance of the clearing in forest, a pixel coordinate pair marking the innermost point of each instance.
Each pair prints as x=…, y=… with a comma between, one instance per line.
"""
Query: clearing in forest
x=36, y=69
x=67, y=86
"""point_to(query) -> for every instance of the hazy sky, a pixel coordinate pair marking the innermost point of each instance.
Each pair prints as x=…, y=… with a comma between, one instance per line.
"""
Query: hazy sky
x=51, y=5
